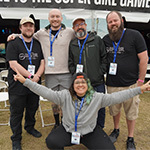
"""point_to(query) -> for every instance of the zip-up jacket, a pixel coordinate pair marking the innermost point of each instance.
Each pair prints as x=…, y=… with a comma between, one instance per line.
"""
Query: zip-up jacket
x=94, y=58
x=60, y=48
x=87, y=119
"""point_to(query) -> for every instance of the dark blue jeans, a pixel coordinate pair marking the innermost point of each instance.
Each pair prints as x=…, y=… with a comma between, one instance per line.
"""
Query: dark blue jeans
x=101, y=112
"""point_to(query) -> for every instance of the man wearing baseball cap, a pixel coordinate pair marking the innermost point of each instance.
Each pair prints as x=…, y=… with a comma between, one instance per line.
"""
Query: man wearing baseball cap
x=87, y=54
x=25, y=55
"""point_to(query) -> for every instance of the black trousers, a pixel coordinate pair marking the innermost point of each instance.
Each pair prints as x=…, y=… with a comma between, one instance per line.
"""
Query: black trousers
x=19, y=103
x=96, y=140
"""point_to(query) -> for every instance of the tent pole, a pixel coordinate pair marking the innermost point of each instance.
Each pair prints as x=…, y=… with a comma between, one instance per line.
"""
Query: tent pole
x=93, y=21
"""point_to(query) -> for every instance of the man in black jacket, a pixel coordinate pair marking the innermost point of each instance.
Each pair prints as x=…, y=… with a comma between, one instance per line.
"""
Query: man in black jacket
x=87, y=54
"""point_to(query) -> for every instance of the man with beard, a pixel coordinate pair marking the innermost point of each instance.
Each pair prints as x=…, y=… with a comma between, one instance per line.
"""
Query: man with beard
x=127, y=66
x=55, y=39
x=87, y=54
x=24, y=54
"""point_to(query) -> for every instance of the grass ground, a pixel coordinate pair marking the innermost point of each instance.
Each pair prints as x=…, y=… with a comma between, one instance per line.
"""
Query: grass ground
x=142, y=130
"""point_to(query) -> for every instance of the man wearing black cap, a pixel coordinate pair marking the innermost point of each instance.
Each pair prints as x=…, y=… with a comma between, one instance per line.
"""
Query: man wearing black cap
x=25, y=55
x=87, y=54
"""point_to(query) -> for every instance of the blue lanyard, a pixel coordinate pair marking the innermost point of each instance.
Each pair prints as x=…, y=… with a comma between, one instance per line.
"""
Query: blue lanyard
x=29, y=51
x=51, y=41
x=116, y=47
x=77, y=114
x=81, y=49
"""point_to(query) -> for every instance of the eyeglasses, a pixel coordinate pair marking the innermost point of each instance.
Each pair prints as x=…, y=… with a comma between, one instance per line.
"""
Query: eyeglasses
x=77, y=25
x=80, y=82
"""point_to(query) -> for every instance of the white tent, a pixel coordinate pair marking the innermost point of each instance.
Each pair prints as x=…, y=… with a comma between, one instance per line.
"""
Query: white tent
x=42, y=13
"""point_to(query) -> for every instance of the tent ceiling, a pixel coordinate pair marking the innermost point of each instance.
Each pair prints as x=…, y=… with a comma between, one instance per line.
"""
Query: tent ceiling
x=42, y=13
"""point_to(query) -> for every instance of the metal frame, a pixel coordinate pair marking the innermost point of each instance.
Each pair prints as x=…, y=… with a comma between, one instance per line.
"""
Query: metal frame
x=41, y=114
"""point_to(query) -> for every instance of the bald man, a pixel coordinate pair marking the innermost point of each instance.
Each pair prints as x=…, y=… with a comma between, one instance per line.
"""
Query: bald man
x=55, y=39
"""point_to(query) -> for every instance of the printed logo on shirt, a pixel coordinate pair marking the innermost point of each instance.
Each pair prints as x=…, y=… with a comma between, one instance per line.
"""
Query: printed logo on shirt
x=23, y=56
x=111, y=50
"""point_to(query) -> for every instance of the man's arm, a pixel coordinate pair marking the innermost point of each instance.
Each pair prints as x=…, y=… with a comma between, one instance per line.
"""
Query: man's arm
x=15, y=65
x=103, y=56
x=14, y=35
x=143, y=58
x=71, y=66
x=39, y=72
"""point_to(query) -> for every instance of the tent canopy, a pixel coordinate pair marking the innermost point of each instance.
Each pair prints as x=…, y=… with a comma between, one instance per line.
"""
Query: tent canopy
x=132, y=10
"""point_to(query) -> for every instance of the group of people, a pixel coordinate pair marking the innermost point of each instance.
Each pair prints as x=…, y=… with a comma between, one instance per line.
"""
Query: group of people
x=74, y=63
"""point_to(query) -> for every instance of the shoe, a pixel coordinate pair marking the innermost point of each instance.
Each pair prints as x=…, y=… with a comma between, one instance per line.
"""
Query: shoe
x=35, y=133
x=16, y=145
x=131, y=144
x=114, y=135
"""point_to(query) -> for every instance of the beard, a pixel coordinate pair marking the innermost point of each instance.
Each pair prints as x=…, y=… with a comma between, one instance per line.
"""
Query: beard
x=80, y=34
x=116, y=35
x=27, y=35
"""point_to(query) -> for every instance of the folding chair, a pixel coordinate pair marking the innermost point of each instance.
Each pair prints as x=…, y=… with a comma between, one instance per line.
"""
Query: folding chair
x=41, y=114
x=147, y=76
x=3, y=75
x=2, y=63
x=4, y=88
x=3, y=98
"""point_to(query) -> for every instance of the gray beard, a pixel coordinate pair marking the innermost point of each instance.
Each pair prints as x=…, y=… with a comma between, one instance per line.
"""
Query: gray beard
x=80, y=34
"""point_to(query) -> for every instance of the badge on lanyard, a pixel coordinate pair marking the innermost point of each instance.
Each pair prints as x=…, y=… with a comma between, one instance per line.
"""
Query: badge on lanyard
x=113, y=69
x=79, y=68
x=75, y=138
x=31, y=69
x=51, y=61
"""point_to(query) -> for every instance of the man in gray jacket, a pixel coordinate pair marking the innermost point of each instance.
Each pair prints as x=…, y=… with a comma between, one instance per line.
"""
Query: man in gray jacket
x=87, y=54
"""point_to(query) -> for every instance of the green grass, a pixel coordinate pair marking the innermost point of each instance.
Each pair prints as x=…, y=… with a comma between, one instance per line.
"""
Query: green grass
x=142, y=129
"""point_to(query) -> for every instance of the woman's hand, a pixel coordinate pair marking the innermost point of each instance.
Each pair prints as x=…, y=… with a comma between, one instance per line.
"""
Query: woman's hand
x=19, y=77
x=145, y=87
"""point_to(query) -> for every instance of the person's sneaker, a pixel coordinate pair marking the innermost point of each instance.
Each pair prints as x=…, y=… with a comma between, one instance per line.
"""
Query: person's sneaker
x=130, y=144
x=16, y=145
x=35, y=133
x=114, y=135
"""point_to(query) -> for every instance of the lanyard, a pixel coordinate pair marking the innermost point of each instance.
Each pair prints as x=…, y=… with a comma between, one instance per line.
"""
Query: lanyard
x=81, y=49
x=77, y=114
x=116, y=47
x=51, y=41
x=29, y=51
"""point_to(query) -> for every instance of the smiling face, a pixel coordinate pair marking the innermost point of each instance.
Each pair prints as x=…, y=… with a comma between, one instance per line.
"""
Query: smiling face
x=55, y=19
x=115, y=26
x=79, y=26
x=27, y=30
x=80, y=87
x=113, y=22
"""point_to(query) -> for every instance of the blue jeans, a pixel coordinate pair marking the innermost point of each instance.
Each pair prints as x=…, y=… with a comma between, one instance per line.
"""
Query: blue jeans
x=101, y=112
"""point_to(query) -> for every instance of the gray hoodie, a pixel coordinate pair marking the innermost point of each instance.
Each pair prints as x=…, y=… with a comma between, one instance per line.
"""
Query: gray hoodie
x=87, y=118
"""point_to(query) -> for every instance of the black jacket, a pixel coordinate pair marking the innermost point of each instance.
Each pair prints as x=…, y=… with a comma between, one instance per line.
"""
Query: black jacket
x=94, y=58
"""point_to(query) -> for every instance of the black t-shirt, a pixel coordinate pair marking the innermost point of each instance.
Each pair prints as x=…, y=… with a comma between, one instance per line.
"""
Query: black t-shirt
x=127, y=59
x=17, y=51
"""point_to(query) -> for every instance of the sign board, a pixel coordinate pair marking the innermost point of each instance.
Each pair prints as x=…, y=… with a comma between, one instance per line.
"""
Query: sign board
x=120, y=5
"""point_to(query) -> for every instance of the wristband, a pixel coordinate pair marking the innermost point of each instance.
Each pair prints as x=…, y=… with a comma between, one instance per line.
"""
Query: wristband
x=141, y=80
x=29, y=76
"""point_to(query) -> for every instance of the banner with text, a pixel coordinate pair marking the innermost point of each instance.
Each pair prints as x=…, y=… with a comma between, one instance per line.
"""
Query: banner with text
x=120, y=5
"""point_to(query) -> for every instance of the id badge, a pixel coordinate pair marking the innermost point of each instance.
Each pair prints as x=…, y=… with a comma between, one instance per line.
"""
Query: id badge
x=79, y=68
x=113, y=69
x=31, y=69
x=51, y=61
x=75, y=139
